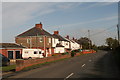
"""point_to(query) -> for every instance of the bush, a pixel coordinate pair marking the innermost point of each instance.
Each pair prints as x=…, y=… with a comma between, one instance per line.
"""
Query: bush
x=72, y=54
x=75, y=51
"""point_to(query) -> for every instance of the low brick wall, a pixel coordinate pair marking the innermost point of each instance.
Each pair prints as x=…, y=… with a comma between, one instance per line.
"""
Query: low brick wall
x=20, y=64
x=87, y=52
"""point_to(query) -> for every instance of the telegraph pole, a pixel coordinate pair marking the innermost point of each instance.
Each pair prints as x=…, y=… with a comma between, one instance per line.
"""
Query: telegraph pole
x=118, y=34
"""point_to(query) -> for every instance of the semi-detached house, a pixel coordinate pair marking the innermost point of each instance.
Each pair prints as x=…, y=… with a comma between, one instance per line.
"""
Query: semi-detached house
x=74, y=44
x=62, y=41
x=36, y=38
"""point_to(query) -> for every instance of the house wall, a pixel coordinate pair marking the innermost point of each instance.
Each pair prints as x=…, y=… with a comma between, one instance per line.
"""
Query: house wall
x=72, y=45
x=65, y=44
x=54, y=42
x=77, y=46
x=32, y=42
x=59, y=50
x=52, y=50
x=3, y=52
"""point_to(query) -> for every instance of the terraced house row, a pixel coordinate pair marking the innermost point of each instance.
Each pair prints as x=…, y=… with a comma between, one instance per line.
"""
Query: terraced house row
x=37, y=38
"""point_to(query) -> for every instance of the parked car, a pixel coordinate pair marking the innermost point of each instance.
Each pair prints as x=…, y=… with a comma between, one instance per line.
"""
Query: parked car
x=4, y=61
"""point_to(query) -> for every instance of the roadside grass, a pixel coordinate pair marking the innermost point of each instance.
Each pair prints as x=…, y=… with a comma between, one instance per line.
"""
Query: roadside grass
x=38, y=65
x=8, y=68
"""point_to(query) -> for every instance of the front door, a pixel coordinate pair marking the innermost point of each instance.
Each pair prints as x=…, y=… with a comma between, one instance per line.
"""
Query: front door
x=10, y=54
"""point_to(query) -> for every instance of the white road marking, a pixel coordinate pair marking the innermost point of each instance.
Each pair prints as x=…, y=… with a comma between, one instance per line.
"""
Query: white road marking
x=69, y=76
x=83, y=65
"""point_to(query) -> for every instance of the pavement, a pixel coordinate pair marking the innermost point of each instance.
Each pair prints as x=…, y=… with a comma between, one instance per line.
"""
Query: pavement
x=95, y=65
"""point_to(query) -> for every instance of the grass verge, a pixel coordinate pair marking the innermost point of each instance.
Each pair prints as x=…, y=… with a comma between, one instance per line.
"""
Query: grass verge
x=8, y=68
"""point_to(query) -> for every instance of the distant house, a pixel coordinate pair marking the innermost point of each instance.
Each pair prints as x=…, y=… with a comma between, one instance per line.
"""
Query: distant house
x=11, y=50
x=36, y=38
x=74, y=44
x=78, y=45
x=71, y=46
x=62, y=41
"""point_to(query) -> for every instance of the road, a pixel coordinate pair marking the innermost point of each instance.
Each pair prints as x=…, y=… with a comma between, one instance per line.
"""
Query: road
x=95, y=65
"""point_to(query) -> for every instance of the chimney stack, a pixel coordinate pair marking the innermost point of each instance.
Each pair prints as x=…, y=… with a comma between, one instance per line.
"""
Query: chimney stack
x=38, y=25
x=56, y=32
x=67, y=36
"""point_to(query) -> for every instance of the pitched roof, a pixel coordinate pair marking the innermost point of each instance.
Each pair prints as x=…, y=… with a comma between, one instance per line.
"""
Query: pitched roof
x=35, y=32
x=10, y=45
x=70, y=40
x=59, y=37
x=77, y=42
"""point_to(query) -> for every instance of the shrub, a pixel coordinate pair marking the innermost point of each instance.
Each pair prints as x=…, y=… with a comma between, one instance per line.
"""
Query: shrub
x=72, y=54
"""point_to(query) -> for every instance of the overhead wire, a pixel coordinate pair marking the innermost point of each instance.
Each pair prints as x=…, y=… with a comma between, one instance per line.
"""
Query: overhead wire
x=102, y=31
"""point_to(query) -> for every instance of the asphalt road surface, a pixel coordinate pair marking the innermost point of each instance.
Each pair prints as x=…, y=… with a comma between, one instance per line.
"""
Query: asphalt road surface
x=95, y=65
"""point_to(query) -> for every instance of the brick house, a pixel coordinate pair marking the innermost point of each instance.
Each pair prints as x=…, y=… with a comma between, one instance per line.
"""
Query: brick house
x=11, y=50
x=36, y=38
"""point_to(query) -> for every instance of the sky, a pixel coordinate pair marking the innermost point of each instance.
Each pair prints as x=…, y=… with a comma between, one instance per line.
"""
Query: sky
x=70, y=18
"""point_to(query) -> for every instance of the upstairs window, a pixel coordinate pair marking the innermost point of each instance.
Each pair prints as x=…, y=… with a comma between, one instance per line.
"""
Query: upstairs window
x=28, y=40
x=49, y=40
